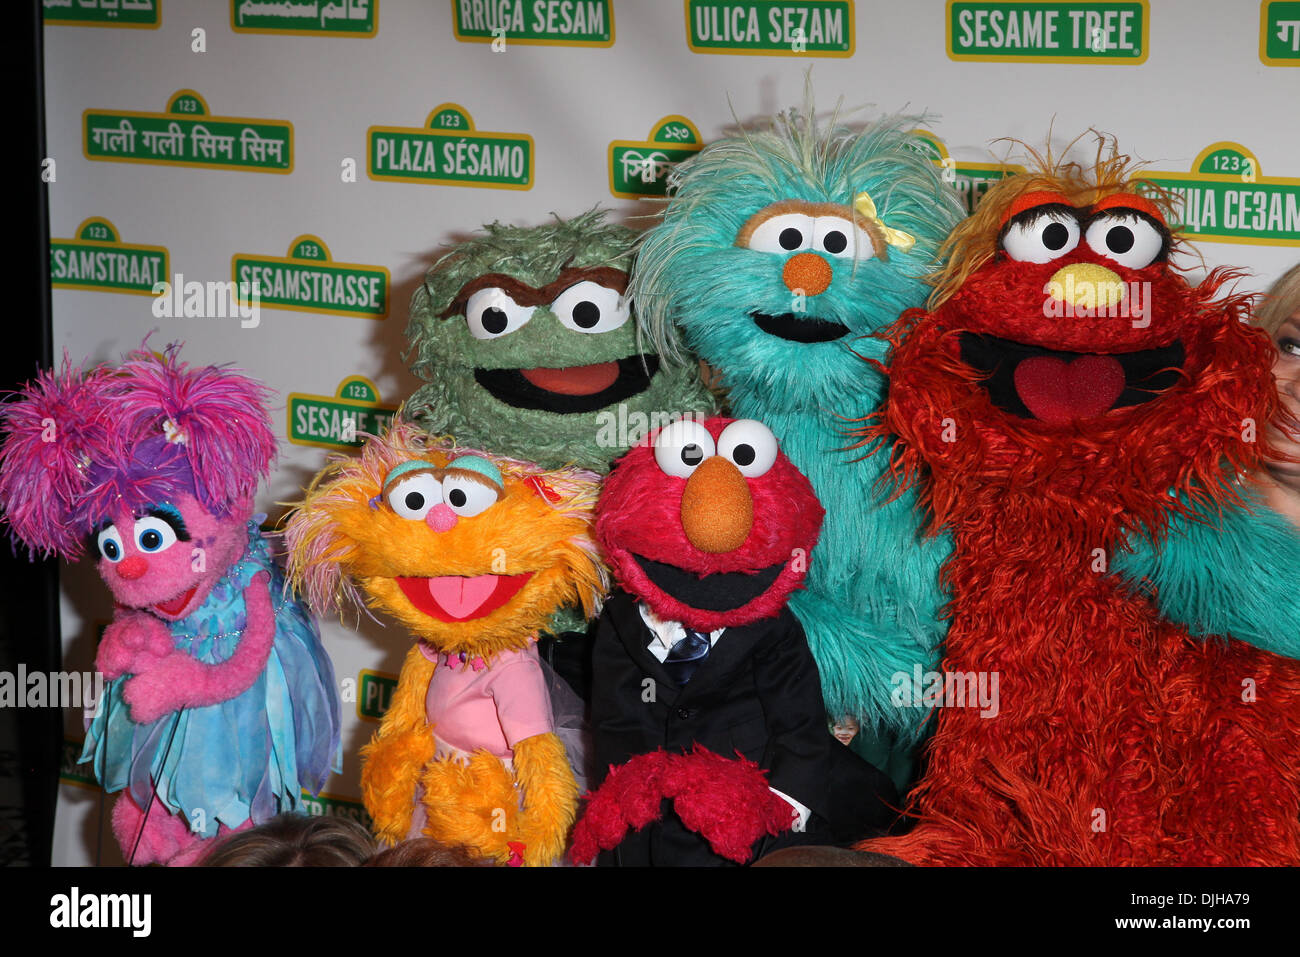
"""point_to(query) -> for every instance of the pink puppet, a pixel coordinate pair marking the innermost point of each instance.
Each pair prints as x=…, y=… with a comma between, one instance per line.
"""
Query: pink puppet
x=221, y=705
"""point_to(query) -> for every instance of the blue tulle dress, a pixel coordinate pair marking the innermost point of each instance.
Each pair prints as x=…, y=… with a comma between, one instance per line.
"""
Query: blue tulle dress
x=250, y=756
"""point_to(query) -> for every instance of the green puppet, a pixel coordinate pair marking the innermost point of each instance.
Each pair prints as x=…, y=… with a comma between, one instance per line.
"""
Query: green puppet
x=529, y=347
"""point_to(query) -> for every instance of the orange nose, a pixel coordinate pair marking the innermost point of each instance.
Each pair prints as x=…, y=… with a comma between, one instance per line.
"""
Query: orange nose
x=132, y=568
x=717, y=511
x=807, y=273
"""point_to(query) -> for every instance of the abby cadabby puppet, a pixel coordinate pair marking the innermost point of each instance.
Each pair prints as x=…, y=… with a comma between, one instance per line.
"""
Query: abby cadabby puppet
x=221, y=705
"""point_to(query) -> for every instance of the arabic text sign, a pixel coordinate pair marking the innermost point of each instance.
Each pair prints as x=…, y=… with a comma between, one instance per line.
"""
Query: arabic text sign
x=358, y=18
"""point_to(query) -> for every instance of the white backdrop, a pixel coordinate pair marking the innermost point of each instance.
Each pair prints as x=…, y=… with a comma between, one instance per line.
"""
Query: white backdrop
x=1199, y=80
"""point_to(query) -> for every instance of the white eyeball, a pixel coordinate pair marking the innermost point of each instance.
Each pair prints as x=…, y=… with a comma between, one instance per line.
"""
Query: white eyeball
x=1041, y=236
x=786, y=233
x=491, y=313
x=682, y=446
x=412, y=497
x=1125, y=237
x=152, y=534
x=109, y=542
x=837, y=236
x=466, y=497
x=749, y=445
x=590, y=307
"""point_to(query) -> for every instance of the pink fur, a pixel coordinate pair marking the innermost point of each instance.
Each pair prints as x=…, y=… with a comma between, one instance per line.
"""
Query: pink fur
x=166, y=839
x=177, y=680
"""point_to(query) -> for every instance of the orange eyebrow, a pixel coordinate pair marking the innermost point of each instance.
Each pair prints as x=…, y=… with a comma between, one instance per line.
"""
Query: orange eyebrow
x=1041, y=197
x=1131, y=201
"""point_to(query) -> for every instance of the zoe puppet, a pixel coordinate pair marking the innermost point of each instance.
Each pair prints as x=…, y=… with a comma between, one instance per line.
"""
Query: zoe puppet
x=470, y=553
x=708, y=723
x=1096, y=398
x=221, y=705
x=528, y=346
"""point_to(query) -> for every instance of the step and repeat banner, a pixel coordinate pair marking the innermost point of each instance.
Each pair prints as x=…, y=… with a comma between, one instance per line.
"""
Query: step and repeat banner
x=327, y=149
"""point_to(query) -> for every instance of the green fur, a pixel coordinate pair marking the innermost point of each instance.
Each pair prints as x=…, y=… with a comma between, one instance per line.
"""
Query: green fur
x=444, y=354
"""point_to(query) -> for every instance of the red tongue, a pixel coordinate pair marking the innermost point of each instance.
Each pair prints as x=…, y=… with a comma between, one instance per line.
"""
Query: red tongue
x=575, y=380
x=177, y=604
x=1058, y=392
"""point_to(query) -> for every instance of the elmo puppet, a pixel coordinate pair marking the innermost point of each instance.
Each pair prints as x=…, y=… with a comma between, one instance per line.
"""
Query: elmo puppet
x=1069, y=391
x=706, y=694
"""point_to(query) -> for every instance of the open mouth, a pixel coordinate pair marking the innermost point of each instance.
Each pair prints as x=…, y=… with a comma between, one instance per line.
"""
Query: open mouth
x=573, y=388
x=721, y=591
x=461, y=597
x=176, y=605
x=1032, y=382
x=796, y=328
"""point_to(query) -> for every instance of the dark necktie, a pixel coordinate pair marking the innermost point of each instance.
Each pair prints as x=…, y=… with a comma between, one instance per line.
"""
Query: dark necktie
x=686, y=655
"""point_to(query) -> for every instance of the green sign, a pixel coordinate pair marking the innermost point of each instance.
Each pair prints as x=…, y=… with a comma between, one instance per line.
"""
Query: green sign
x=96, y=260
x=450, y=152
x=103, y=13
x=970, y=180
x=185, y=135
x=770, y=27
x=1083, y=31
x=328, y=804
x=640, y=167
x=550, y=22
x=307, y=280
x=72, y=772
x=1227, y=199
x=1279, y=32
x=375, y=694
x=339, y=421
x=330, y=18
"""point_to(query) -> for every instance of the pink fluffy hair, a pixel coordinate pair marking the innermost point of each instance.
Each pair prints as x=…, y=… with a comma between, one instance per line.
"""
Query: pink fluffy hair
x=79, y=441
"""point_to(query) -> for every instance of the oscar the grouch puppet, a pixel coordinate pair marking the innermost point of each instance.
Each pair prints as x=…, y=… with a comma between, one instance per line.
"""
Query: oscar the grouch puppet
x=529, y=347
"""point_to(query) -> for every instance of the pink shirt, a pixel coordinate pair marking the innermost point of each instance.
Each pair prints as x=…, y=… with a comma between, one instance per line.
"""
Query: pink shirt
x=493, y=707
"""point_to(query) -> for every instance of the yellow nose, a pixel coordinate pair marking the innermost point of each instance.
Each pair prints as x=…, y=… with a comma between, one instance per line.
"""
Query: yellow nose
x=1086, y=286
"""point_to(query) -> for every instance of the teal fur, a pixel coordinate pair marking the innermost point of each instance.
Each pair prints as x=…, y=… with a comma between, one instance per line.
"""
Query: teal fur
x=872, y=606
x=442, y=352
x=1229, y=573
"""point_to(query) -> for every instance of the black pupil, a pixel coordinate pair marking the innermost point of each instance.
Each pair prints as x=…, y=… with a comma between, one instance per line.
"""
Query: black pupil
x=1119, y=239
x=494, y=320
x=457, y=497
x=150, y=539
x=743, y=454
x=692, y=454
x=790, y=238
x=110, y=549
x=835, y=242
x=586, y=314
x=1056, y=236
x=414, y=501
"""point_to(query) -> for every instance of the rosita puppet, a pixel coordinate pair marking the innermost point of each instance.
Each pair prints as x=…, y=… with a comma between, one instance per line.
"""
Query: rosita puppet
x=708, y=724
x=1068, y=391
x=221, y=705
x=471, y=553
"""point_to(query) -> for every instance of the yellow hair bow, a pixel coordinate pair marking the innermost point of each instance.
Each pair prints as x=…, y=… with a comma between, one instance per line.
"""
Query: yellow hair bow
x=895, y=237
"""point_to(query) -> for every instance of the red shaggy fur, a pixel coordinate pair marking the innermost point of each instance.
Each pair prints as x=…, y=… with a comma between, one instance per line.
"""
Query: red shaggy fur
x=1120, y=739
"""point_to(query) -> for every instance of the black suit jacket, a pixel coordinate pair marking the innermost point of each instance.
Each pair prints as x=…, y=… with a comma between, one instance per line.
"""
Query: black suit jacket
x=757, y=693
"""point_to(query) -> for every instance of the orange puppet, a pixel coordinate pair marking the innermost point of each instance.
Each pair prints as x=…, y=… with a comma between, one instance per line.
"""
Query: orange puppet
x=472, y=553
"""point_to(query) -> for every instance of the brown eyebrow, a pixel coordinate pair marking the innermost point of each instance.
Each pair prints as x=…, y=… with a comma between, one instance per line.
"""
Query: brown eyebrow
x=879, y=247
x=526, y=295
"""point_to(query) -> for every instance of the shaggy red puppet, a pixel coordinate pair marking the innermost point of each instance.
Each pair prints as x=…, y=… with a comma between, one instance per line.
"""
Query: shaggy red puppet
x=1069, y=389
x=705, y=695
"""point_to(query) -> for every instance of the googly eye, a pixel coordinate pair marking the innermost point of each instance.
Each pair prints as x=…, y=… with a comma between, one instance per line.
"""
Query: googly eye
x=466, y=497
x=749, y=445
x=590, y=307
x=1127, y=237
x=1042, y=234
x=109, y=542
x=837, y=236
x=152, y=534
x=412, y=497
x=491, y=313
x=681, y=446
x=786, y=233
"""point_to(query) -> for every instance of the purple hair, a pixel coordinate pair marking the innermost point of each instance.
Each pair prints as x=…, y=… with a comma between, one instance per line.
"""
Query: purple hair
x=79, y=444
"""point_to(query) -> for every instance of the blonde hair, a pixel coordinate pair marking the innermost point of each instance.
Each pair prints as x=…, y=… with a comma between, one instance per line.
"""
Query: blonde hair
x=1280, y=303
